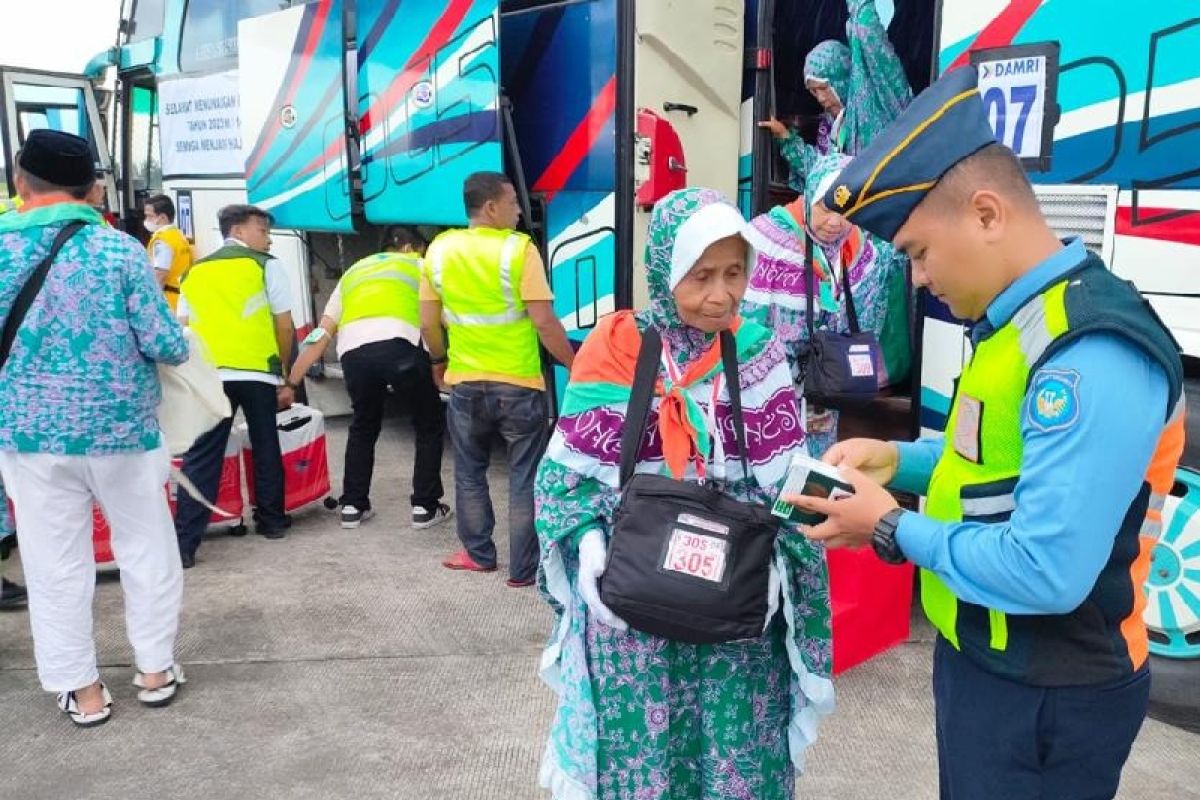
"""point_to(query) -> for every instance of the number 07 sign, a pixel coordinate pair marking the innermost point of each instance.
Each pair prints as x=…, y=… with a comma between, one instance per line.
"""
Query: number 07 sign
x=1019, y=87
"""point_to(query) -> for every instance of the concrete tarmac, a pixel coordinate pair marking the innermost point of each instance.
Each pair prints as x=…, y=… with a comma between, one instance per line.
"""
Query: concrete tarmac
x=350, y=664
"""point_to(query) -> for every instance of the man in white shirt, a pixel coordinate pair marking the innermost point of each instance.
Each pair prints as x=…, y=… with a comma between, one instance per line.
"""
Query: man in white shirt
x=375, y=312
x=238, y=301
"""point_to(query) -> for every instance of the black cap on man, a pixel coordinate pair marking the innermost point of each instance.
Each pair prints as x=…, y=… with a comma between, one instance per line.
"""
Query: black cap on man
x=58, y=158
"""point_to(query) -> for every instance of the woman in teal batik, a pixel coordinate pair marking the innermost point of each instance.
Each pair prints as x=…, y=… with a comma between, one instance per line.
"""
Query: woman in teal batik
x=641, y=717
x=861, y=88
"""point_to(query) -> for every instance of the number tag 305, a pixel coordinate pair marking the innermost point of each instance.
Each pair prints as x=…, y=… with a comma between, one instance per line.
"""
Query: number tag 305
x=697, y=555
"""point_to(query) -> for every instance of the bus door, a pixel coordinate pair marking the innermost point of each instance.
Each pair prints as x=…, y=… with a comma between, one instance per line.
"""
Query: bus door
x=30, y=100
x=428, y=105
x=687, y=88
x=292, y=86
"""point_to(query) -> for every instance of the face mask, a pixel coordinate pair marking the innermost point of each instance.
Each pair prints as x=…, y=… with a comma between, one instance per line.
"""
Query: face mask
x=152, y=227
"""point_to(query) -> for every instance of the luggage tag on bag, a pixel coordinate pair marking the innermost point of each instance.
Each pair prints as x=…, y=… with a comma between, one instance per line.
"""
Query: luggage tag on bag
x=696, y=554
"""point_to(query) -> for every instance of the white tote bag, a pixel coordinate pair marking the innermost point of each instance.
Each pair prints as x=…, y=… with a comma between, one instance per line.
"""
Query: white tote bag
x=193, y=399
x=193, y=402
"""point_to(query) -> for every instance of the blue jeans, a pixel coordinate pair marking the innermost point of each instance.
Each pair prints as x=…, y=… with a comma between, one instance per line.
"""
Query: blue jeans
x=478, y=412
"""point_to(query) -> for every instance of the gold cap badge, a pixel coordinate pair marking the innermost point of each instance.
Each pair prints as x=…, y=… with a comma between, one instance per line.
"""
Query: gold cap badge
x=841, y=196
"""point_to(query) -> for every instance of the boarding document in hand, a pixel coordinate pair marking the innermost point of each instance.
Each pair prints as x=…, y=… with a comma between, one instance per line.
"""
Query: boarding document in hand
x=814, y=478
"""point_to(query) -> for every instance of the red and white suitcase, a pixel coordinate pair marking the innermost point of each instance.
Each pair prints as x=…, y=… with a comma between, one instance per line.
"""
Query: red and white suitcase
x=305, y=457
x=229, y=490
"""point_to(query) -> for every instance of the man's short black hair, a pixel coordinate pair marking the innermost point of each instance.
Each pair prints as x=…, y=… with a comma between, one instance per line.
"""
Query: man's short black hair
x=42, y=186
x=231, y=216
x=480, y=187
x=397, y=237
x=994, y=167
x=162, y=205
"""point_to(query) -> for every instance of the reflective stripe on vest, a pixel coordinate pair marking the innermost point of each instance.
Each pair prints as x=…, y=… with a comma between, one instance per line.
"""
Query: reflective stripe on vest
x=477, y=272
x=976, y=476
x=229, y=310
x=382, y=285
x=181, y=260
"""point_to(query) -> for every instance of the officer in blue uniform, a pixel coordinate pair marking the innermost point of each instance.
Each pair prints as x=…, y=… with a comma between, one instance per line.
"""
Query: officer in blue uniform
x=1045, y=493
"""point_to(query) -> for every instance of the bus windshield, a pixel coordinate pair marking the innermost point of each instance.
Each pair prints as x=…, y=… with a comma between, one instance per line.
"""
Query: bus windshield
x=209, y=38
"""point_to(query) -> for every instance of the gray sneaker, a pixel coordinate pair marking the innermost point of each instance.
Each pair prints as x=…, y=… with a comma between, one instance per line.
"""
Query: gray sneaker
x=352, y=517
x=428, y=517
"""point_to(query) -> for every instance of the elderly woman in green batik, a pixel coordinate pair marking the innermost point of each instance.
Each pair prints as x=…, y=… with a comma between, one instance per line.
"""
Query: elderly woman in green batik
x=861, y=89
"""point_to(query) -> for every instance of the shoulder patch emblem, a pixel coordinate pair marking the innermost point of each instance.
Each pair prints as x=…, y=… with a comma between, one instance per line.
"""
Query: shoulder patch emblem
x=1053, y=403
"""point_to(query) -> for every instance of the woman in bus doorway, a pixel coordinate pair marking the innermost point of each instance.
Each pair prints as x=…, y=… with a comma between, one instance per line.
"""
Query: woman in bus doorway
x=641, y=717
x=861, y=88
x=777, y=295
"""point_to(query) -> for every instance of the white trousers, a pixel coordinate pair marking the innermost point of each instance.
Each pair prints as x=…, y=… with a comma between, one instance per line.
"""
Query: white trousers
x=53, y=499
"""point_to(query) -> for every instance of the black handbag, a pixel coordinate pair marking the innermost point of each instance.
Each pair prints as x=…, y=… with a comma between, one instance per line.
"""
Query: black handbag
x=29, y=291
x=686, y=561
x=838, y=369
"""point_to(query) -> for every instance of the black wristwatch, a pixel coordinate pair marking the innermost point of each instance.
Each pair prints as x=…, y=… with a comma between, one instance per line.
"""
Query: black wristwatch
x=883, y=540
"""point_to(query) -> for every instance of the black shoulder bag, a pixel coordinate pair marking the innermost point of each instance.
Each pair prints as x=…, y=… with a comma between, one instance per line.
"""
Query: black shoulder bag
x=840, y=369
x=31, y=288
x=686, y=561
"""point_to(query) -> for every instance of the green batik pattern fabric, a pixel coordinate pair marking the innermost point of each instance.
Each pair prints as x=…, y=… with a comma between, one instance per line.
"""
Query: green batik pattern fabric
x=870, y=81
x=701, y=721
x=82, y=378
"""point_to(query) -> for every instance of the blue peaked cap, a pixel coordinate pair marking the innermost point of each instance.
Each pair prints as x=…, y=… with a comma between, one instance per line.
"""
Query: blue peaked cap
x=885, y=182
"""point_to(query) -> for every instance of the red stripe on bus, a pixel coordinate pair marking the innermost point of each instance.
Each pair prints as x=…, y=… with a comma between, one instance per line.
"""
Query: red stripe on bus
x=310, y=46
x=1001, y=31
x=1157, y=223
x=580, y=142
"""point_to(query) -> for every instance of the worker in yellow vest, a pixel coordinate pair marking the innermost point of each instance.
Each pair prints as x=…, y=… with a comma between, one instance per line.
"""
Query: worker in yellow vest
x=1045, y=494
x=10, y=204
x=238, y=301
x=375, y=313
x=170, y=251
x=487, y=285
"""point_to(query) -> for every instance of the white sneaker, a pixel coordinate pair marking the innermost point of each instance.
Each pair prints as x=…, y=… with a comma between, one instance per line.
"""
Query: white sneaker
x=352, y=517
x=427, y=518
x=163, y=695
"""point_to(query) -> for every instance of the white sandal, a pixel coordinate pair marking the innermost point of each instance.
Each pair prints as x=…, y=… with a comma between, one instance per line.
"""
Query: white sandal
x=163, y=695
x=69, y=705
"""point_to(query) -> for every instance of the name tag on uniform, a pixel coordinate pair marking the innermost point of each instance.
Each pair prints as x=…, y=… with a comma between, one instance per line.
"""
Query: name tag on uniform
x=967, y=429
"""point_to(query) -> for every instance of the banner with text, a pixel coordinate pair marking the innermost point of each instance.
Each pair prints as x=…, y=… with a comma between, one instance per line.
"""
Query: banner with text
x=200, y=127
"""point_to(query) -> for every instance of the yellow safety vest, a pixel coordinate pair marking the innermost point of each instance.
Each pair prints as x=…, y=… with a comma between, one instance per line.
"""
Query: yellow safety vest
x=229, y=310
x=181, y=260
x=976, y=476
x=382, y=285
x=477, y=273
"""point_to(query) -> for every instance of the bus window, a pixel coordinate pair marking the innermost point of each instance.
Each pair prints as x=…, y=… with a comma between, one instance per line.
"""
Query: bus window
x=145, y=172
x=56, y=107
x=209, y=38
x=147, y=20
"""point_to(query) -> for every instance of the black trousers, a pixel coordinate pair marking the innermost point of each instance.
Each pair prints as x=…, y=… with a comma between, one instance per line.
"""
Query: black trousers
x=202, y=465
x=369, y=370
x=1002, y=740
